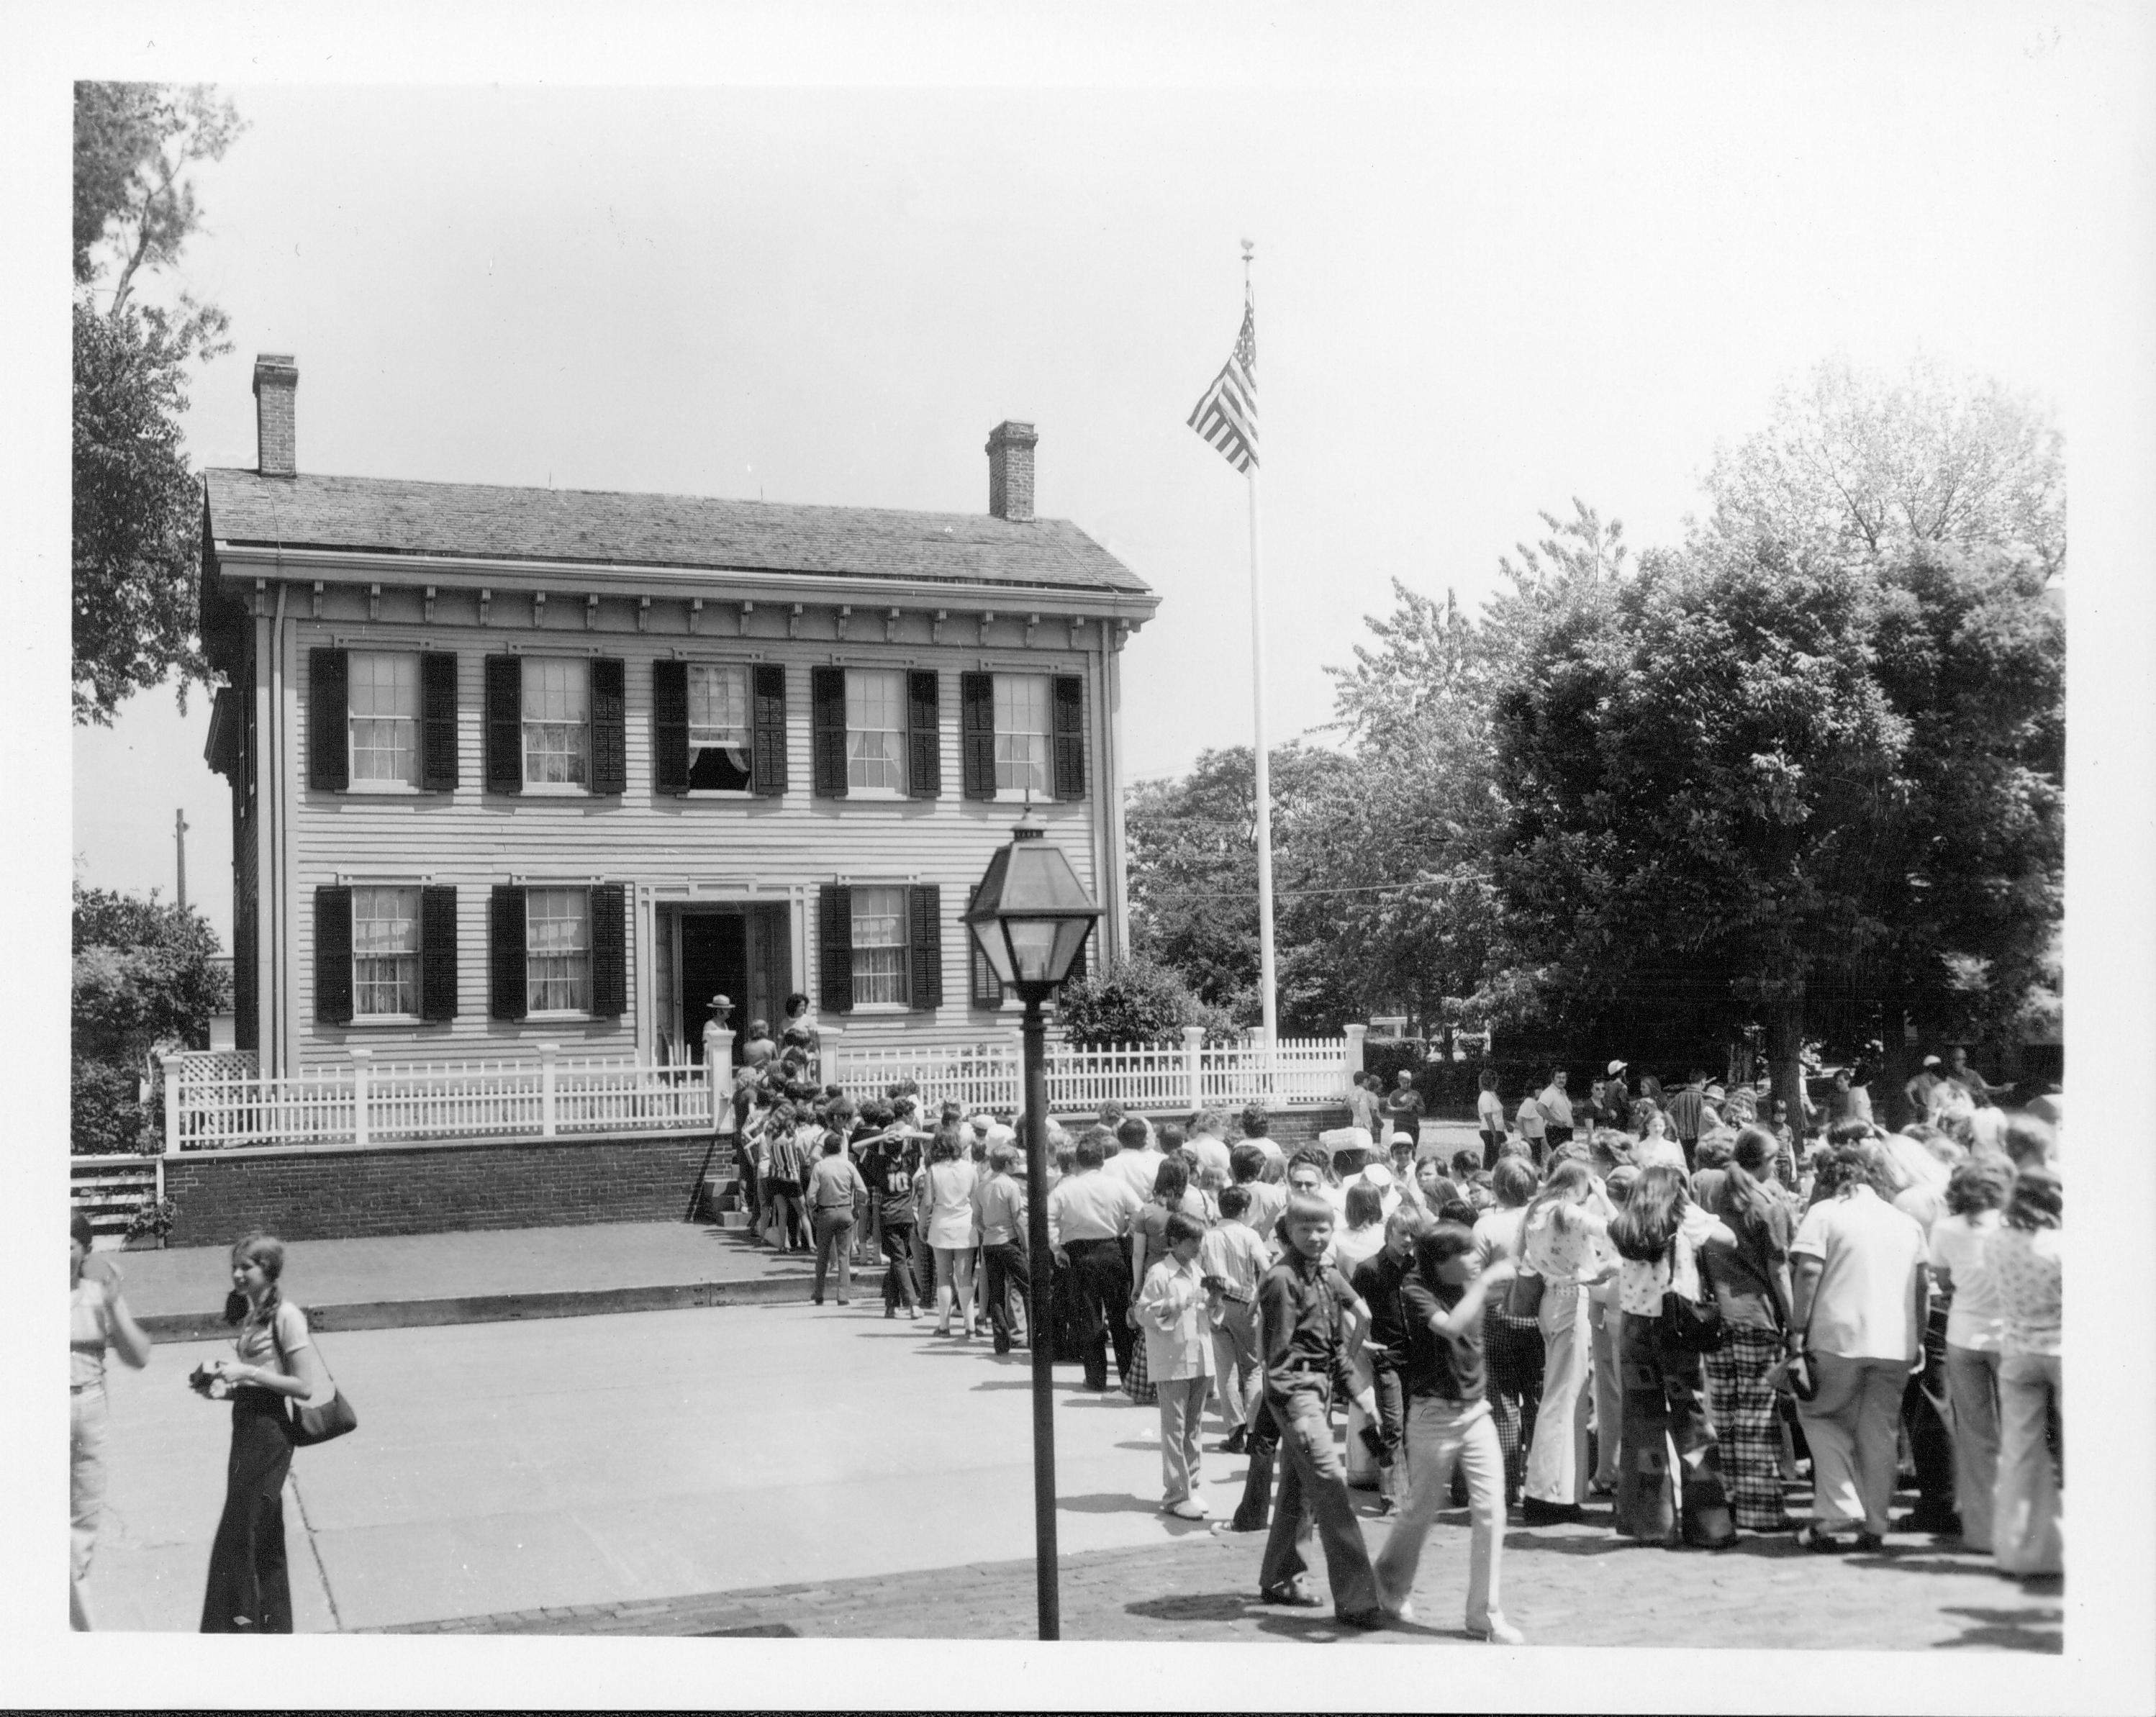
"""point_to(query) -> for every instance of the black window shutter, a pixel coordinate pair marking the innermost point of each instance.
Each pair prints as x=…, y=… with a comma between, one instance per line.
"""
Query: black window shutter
x=438, y=723
x=609, y=727
x=609, y=950
x=669, y=727
x=1067, y=749
x=505, y=736
x=924, y=938
x=506, y=952
x=329, y=715
x=977, y=733
x=827, y=727
x=333, y=955
x=834, y=948
x=987, y=987
x=438, y=953
x=924, y=746
x=767, y=758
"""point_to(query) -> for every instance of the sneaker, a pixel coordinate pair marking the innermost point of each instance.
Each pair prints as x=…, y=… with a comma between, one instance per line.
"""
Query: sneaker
x=1296, y=1592
x=1404, y=1611
x=1190, y=1508
x=914, y=1313
x=1497, y=1631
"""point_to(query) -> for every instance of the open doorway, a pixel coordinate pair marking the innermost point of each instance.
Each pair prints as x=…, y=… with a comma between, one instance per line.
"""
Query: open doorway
x=743, y=951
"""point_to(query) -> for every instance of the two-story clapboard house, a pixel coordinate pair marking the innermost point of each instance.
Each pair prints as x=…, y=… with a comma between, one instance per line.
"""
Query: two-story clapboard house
x=511, y=765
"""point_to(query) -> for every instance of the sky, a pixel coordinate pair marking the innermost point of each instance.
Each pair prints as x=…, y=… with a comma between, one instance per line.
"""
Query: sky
x=1535, y=265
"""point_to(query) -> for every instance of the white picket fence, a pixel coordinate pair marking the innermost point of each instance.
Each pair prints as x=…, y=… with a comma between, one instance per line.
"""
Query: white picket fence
x=1156, y=1076
x=215, y=1103
x=210, y=1107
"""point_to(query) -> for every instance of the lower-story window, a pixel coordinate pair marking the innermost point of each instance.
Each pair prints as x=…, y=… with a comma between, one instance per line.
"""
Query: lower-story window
x=880, y=973
x=558, y=943
x=385, y=952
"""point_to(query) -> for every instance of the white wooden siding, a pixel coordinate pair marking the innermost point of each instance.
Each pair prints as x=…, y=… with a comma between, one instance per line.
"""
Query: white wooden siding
x=472, y=840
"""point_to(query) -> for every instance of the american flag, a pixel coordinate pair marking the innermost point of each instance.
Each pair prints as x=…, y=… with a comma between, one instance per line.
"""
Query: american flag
x=1228, y=415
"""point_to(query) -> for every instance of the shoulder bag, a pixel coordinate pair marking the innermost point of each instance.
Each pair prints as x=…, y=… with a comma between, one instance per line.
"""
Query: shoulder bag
x=310, y=1425
x=1692, y=1325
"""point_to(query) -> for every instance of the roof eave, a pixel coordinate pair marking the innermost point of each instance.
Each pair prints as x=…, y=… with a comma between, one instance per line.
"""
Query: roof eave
x=680, y=584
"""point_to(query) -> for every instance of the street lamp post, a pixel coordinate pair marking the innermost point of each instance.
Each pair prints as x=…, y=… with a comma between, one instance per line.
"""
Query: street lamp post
x=1030, y=916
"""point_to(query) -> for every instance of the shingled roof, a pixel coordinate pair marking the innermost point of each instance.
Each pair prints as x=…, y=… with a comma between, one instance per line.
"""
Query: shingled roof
x=384, y=515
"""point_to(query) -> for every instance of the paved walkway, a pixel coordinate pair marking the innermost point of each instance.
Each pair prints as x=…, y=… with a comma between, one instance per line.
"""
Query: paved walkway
x=477, y=1276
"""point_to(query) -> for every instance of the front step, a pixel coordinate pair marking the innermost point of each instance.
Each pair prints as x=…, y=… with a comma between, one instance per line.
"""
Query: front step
x=108, y=1190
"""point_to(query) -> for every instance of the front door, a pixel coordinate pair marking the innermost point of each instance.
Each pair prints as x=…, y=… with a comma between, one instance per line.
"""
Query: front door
x=714, y=962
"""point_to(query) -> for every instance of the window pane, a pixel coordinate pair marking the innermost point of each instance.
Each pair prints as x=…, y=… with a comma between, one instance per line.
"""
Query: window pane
x=557, y=950
x=875, y=729
x=1022, y=701
x=718, y=727
x=880, y=967
x=384, y=693
x=385, y=950
x=557, y=717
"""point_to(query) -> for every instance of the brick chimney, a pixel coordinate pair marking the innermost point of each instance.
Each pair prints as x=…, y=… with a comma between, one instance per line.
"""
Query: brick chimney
x=1010, y=471
x=276, y=380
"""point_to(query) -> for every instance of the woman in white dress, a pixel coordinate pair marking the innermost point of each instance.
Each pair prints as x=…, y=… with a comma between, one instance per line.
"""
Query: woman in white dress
x=947, y=1217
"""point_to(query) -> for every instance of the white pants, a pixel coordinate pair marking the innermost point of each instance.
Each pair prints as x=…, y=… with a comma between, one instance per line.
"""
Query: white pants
x=1557, y=1462
x=1440, y=1434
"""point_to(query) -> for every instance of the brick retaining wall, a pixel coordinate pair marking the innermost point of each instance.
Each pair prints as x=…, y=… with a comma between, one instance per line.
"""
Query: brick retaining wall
x=338, y=1194
x=342, y=1193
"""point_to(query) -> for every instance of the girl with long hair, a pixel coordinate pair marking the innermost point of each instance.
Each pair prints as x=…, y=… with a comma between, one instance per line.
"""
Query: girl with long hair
x=1512, y=1346
x=1976, y=1329
x=1659, y=1234
x=1750, y=1275
x=1564, y=1239
x=2024, y=1260
x=946, y=1191
x=250, y=1590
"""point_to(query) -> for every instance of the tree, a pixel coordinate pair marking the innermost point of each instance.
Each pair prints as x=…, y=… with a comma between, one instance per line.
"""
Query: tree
x=143, y=978
x=1852, y=461
x=136, y=508
x=1809, y=790
x=1192, y=858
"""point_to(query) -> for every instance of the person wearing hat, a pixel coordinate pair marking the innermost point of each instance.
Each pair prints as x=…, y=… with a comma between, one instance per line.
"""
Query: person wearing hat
x=1616, y=1095
x=1921, y=1090
x=719, y=1035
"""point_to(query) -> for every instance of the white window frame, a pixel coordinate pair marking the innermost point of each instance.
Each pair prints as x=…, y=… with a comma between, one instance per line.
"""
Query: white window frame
x=354, y=781
x=572, y=789
x=368, y=895
x=746, y=673
x=892, y=680
x=532, y=981
x=1006, y=730
x=904, y=916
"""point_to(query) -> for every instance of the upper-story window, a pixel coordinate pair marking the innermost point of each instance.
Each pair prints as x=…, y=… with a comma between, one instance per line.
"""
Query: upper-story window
x=719, y=721
x=385, y=953
x=557, y=722
x=381, y=720
x=557, y=950
x=1022, y=733
x=384, y=690
x=875, y=729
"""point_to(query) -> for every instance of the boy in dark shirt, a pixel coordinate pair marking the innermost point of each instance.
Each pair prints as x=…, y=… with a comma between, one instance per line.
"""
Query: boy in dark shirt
x=1300, y=1305
x=1449, y=1422
x=888, y=1161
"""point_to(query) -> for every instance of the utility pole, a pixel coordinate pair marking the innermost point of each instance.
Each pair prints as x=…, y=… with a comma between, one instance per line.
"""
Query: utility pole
x=180, y=842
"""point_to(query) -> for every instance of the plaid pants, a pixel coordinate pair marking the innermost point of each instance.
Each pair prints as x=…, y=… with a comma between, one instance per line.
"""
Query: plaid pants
x=1747, y=1425
x=1512, y=1356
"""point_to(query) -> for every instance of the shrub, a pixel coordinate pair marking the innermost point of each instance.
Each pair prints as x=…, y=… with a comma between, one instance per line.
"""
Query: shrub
x=1135, y=1000
x=104, y=1120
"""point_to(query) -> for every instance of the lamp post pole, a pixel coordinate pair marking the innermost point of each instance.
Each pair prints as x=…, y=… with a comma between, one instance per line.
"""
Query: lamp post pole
x=1041, y=1316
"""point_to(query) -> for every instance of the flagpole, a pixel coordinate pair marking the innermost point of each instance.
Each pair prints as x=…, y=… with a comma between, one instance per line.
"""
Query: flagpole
x=1261, y=760
x=1263, y=785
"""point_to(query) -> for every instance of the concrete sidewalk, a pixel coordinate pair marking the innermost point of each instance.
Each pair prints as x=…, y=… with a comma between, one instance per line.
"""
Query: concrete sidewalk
x=485, y=1275
x=477, y=1276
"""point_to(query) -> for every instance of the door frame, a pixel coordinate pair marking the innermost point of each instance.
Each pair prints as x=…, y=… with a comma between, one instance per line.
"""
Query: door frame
x=695, y=892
